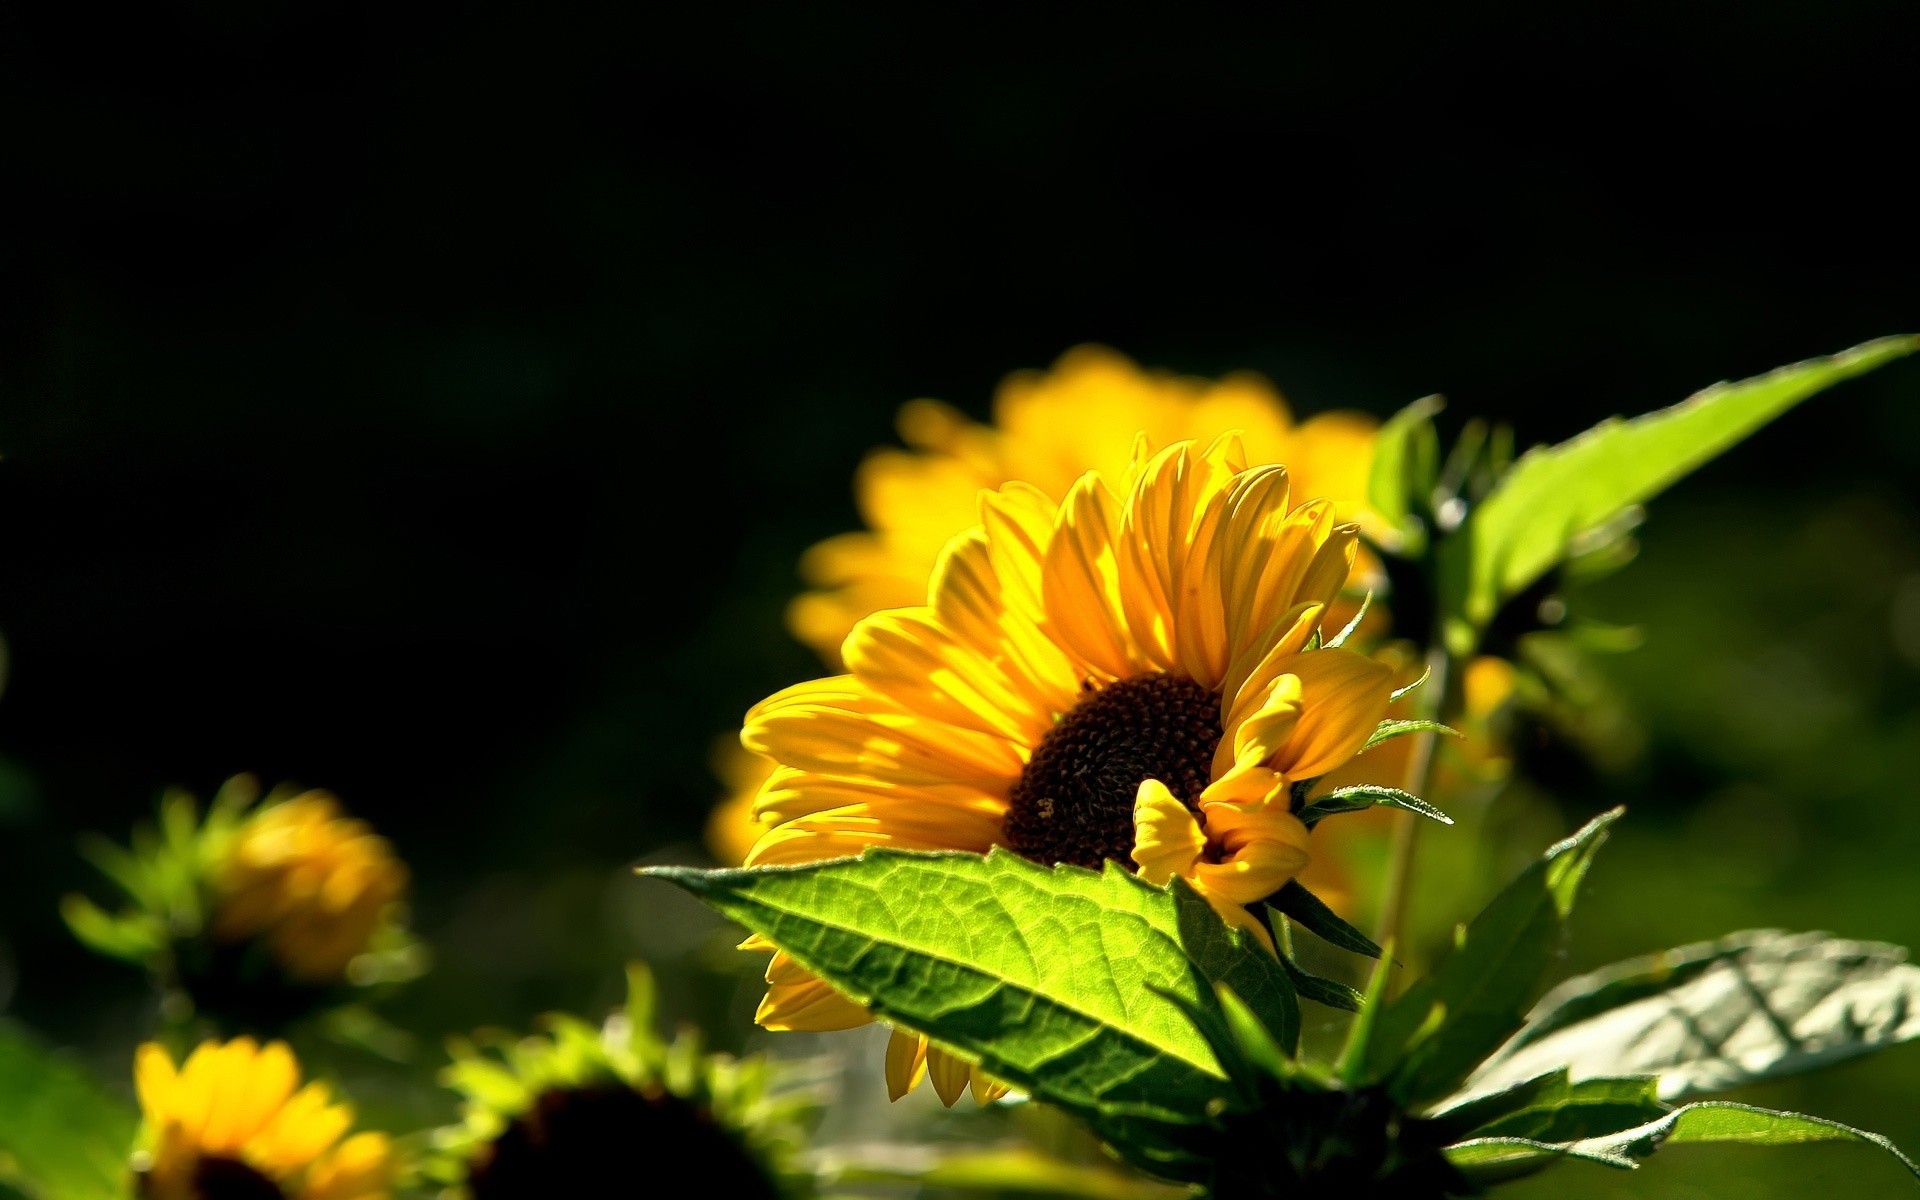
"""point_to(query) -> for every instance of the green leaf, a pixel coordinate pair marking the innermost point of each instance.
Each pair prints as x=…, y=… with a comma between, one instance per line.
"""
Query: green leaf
x=1363, y=796
x=62, y=1135
x=1430, y=1038
x=1320, y=989
x=1556, y=497
x=1406, y=461
x=1707, y=1017
x=1494, y=1160
x=1071, y=984
x=1571, y=1111
x=1388, y=730
x=1306, y=910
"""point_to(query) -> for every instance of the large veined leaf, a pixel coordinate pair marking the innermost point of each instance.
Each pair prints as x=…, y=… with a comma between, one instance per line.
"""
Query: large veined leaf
x=62, y=1135
x=1496, y=1159
x=1429, y=1039
x=1707, y=1017
x=1557, y=495
x=1074, y=985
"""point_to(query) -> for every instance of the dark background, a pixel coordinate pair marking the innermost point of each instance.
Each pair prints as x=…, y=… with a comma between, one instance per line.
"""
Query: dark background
x=430, y=404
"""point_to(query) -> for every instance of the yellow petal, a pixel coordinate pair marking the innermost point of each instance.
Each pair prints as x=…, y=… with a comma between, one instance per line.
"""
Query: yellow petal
x=362, y=1168
x=809, y=1006
x=906, y=1062
x=949, y=1073
x=986, y=1090
x=1343, y=697
x=1167, y=841
x=1081, y=585
x=1261, y=850
x=154, y=1078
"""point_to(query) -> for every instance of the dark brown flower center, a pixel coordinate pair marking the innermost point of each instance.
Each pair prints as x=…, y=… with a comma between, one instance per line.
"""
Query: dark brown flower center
x=231, y=1179
x=610, y=1140
x=1074, y=802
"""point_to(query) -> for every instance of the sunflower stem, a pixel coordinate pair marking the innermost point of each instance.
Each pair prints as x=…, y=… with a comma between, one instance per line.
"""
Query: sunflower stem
x=1406, y=830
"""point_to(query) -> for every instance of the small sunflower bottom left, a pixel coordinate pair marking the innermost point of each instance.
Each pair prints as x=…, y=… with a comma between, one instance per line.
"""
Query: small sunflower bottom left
x=234, y=1123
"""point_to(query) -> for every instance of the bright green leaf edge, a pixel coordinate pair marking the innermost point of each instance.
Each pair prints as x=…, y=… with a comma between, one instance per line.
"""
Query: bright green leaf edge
x=1556, y=494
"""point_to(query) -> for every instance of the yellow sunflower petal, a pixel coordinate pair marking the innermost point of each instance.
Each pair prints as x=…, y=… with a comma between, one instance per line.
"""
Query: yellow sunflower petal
x=906, y=1062
x=154, y=1078
x=1167, y=841
x=1343, y=696
x=361, y=1168
x=1081, y=585
x=808, y=1006
x=949, y=1073
x=300, y=1132
x=985, y=1089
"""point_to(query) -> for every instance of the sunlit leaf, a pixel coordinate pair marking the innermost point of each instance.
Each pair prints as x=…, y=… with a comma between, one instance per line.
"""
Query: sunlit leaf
x=1406, y=461
x=1495, y=1159
x=1707, y=1017
x=1556, y=497
x=1362, y=796
x=62, y=1135
x=1071, y=984
x=1435, y=1033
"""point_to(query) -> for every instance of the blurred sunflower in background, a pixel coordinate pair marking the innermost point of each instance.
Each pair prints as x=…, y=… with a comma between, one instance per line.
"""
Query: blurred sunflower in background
x=263, y=912
x=233, y=1123
x=590, y=1110
x=1131, y=675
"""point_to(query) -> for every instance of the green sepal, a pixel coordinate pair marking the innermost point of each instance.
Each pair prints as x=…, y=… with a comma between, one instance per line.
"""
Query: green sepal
x=1306, y=910
x=1365, y=796
x=1388, y=730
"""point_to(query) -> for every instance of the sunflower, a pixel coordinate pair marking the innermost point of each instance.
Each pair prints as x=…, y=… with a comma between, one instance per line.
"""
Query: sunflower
x=232, y=1123
x=1048, y=428
x=260, y=911
x=315, y=884
x=1130, y=676
x=582, y=1106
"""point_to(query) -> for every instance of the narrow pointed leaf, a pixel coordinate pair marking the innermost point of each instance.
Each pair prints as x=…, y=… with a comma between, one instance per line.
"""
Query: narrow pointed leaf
x=1715, y=1015
x=1435, y=1033
x=1388, y=730
x=1320, y=989
x=1555, y=496
x=1307, y=910
x=1353, y=799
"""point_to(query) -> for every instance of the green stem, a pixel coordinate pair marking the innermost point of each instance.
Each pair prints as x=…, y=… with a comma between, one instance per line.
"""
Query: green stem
x=1406, y=830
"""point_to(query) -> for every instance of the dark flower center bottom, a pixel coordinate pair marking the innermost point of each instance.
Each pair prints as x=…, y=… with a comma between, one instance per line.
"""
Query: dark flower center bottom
x=613, y=1140
x=1074, y=802
x=230, y=1179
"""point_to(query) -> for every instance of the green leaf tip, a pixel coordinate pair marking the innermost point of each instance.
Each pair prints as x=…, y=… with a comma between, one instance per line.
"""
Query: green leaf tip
x=1555, y=496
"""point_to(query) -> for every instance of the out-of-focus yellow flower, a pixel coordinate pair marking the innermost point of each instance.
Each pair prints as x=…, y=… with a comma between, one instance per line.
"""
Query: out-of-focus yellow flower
x=232, y=1123
x=314, y=883
x=1120, y=675
x=1049, y=428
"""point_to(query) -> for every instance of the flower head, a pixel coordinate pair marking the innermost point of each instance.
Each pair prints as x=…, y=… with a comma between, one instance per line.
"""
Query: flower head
x=314, y=883
x=259, y=912
x=233, y=1123
x=564, y=1113
x=1128, y=675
